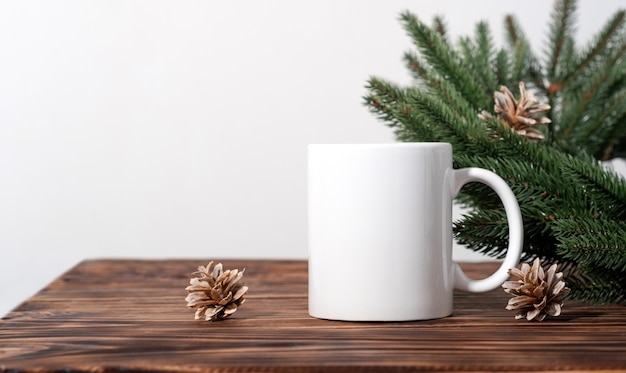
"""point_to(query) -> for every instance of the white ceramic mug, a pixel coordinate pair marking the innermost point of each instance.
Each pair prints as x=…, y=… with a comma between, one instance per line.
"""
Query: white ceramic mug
x=380, y=231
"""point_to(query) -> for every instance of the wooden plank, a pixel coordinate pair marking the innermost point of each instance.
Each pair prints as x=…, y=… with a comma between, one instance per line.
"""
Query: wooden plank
x=114, y=315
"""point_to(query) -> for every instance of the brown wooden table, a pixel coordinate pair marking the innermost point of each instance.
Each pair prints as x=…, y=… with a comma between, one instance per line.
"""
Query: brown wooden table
x=130, y=315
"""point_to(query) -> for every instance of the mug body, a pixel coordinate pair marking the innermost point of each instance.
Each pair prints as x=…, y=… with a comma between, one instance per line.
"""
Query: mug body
x=380, y=231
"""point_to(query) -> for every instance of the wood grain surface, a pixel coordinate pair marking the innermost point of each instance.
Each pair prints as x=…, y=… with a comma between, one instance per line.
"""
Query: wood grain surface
x=130, y=315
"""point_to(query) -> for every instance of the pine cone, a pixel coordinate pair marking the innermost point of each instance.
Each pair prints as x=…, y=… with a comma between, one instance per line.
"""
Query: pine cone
x=537, y=294
x=215, y=292
x=521, y=116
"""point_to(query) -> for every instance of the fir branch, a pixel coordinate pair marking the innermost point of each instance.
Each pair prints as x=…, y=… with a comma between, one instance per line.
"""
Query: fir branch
x=484, y=56
x=457, y=126
x=592, y=188
x=486, y=232
x=382, y=99
x=561, y=29
x=611, y=145
x=540, y=188
x=435, y=84
x=595, y=90
x=448, y=119
x=391, y=105
x=417, y=68
x=568, y=60
x=514, y=33
x=579, y=101
x=596, y=286
x=602, y=129
x=614, y=140
x=610, y=32
x=502, y=67
x=526, y=65
x=605, y=189
x=440, y=27
x=520, y=56
x=443, y=59
x=618, y=77
x=556, y=183
x=545, y=200
x=477, y=61
x=593, y=242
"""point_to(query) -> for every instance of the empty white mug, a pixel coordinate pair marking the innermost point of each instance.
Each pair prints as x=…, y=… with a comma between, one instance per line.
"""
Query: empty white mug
x=380, y=231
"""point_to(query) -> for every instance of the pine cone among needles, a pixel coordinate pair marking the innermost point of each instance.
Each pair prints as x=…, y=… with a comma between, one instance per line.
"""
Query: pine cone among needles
x=521, y=116
x=537, y=293
x=215, y=293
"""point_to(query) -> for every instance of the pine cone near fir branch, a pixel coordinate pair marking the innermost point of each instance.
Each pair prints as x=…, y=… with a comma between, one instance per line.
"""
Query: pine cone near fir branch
x=523, y=115
x=537, y=293
x=215, y=293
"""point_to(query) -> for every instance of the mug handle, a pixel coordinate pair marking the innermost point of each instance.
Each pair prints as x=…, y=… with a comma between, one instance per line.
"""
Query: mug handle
x=516, y=230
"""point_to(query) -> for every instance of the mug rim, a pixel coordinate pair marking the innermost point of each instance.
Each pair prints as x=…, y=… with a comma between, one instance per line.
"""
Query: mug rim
x=383, y=145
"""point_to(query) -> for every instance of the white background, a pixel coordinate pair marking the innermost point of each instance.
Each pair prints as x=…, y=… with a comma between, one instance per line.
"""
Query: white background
x=159, y=129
